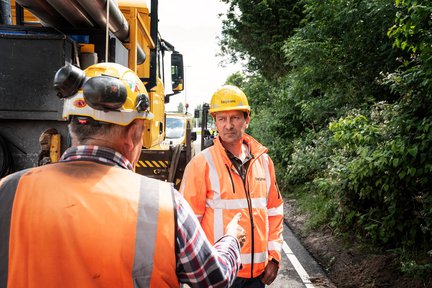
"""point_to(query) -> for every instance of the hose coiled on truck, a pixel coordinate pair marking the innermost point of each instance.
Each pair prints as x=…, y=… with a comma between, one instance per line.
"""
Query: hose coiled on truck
x=6, y=160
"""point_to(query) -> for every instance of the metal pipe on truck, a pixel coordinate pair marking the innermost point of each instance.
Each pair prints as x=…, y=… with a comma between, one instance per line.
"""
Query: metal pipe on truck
x=45, y=12
x=82, y=14
x=73, y=13
x=5, y=12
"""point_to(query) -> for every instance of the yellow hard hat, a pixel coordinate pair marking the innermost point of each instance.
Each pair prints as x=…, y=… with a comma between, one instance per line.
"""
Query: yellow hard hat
x=105, y=92
x=228, y=98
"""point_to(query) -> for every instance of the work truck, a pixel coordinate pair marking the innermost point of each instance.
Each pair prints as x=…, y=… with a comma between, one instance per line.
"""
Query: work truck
x=39, y=37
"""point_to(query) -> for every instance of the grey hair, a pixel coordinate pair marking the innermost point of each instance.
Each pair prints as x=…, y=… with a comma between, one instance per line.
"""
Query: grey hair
x=85, y=133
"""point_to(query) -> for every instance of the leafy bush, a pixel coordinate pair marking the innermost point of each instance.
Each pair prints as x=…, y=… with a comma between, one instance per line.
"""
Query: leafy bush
x=384, y=180
x=349, y=121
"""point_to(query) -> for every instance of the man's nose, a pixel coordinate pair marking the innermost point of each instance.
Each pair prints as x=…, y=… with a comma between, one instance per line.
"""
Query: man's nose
x=229, y=123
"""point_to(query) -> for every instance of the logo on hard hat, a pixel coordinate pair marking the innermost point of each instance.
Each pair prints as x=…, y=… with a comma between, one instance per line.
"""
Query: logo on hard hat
x=79, y=103
x=132, y=85
x=227, y=101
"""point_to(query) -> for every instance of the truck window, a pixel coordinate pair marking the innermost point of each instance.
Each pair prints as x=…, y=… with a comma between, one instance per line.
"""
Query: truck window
x=175, y=128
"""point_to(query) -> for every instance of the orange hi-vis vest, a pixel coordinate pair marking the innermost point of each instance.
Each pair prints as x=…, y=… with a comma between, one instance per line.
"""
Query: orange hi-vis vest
x=84, y=224
x=216, y=192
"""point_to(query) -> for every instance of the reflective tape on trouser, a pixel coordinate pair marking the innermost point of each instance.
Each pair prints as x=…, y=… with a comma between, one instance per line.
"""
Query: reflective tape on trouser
x=146, y=229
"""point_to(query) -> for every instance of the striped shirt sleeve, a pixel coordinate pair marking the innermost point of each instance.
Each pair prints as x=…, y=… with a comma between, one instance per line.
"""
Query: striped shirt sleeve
x=199, y=263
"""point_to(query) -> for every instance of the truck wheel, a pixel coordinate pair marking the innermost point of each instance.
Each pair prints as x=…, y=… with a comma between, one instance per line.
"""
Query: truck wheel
x=6, y=160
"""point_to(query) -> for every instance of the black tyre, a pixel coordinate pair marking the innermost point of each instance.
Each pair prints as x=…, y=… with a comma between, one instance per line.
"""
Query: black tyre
x=6, y=160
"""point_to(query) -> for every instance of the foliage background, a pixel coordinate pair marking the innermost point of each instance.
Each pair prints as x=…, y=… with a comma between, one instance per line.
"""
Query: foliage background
x=341, y=96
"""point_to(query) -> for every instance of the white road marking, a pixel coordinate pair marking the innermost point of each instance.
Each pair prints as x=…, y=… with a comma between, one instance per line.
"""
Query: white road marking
x=297, y=266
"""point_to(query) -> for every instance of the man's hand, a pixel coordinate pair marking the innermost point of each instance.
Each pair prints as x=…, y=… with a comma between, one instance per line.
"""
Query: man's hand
x=234, y=229
x=269, y=273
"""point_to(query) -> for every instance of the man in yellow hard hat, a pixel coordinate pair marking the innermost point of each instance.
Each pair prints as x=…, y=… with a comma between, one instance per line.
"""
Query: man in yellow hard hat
x=236, y=175
x=89, y=220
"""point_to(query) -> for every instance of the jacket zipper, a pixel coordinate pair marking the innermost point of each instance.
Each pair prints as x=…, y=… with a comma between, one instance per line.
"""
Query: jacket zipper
x=249, y=200
x=232, y=182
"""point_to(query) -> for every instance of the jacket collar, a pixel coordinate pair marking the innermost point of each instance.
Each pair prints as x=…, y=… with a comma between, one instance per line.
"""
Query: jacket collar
x=256, y=148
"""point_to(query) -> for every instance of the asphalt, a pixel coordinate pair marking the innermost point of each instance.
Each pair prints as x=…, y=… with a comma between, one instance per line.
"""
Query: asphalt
x=298, y=268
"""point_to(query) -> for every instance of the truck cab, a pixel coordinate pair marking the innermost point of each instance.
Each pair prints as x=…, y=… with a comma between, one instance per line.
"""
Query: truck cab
x=176, y=127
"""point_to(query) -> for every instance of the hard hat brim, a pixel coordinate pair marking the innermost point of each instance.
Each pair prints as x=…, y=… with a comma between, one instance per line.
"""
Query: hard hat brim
x=236, y=108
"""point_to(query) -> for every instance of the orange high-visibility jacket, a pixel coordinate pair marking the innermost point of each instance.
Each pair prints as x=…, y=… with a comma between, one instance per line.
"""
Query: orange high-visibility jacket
x=84, y=224
x=216, y=192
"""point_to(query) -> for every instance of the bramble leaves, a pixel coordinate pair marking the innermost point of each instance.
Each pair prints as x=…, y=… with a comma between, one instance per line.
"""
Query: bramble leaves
x=342, y=97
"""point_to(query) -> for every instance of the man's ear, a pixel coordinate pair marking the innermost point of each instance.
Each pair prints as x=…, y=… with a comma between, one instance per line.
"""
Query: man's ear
x=133, y=134
x=138, y=131
x=128, y=139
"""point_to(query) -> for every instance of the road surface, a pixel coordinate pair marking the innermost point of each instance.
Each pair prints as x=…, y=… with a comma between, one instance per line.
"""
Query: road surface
x=298, y=268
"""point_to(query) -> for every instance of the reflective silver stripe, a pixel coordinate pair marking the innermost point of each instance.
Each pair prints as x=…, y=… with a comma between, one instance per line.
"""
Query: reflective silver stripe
x=233, y=204
x=213, y=174
x=275, y=211
x=218, y=229
x=267, y=172
x=274, y=245
x=8, y=188
x=258, y=258
x=146, y=229
x=218, y=224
